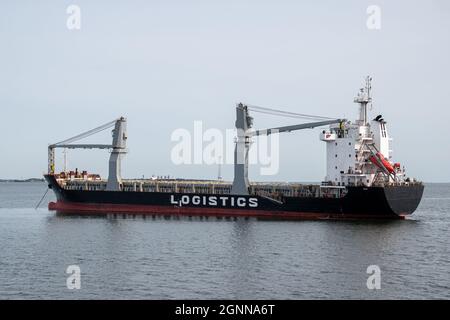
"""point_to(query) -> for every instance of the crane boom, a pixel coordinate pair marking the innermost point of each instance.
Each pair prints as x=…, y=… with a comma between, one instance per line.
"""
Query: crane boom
x=244, y=123
x=83, y=146
x=87, y=133
x=118, y=147
x=309, y=125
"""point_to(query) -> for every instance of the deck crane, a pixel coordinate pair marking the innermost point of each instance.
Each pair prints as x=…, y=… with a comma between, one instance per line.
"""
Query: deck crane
x=244, y=123
x=118, y=149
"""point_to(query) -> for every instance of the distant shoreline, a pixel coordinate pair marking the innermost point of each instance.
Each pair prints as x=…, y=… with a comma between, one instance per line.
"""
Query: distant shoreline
x=23, y=180
x=43, y=180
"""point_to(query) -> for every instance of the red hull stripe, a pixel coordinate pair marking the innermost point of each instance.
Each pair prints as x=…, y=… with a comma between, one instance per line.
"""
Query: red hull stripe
x=105, y=209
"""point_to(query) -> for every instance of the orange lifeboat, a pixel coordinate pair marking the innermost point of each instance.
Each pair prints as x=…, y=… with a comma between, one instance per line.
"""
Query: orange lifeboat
x=379, y=158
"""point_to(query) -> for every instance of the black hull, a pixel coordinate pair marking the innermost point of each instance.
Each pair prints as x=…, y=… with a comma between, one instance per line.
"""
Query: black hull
x=359, y=202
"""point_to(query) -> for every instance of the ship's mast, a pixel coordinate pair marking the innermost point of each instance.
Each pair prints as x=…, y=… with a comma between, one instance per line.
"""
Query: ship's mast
x=243, y=141
x=363, y=99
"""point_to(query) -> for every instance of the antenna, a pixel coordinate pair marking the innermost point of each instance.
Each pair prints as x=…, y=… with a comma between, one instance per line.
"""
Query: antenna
x=219, y=173
x=65, y=159
x=369, y=87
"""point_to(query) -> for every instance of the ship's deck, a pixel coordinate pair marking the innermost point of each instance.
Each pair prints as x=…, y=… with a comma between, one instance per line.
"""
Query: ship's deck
x=270, y=189
x=275, y=190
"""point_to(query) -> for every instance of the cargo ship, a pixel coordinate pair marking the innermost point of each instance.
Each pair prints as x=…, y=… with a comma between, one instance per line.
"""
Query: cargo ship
x=362, y=181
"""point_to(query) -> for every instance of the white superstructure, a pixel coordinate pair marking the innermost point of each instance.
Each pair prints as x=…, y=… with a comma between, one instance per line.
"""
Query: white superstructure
x=359, y=153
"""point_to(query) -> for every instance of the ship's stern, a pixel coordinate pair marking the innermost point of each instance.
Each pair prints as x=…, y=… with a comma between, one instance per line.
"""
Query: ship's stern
x=404, y=199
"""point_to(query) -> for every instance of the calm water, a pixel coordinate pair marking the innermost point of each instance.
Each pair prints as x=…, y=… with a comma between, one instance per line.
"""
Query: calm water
x=170, y=259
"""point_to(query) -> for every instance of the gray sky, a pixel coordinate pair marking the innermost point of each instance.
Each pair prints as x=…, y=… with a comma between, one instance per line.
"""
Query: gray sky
x=164, y=64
